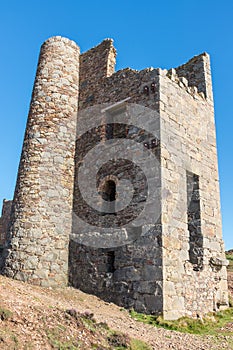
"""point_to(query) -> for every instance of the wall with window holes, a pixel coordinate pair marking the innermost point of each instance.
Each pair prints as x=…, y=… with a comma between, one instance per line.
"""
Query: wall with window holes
x=176, y=267
x=191, y=218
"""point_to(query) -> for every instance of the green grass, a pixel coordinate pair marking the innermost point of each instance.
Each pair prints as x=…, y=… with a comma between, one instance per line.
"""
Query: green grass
x=120, y=341
x=55, y=341
x=112, y=340
x=211, y=324
x=229, y=257
x=136, y=344
x=8, y=338
x=5, y=314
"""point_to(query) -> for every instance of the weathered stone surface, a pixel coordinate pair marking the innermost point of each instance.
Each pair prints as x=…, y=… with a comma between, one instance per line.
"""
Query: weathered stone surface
x=173, y=265
x=5, y=220
x=45, y=178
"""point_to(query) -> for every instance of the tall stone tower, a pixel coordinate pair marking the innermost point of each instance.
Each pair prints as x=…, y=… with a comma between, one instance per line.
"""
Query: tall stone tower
x=42, y=206
x=132, y=188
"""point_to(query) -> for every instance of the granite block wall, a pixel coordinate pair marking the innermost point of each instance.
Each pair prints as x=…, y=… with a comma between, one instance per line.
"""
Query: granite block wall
x=118, y=188
x=42, y=205
x=189, y=147
x=5, y=220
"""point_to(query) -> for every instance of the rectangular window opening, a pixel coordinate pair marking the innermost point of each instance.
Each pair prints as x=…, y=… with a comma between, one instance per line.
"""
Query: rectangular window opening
x=111, y=261
x=194, y=221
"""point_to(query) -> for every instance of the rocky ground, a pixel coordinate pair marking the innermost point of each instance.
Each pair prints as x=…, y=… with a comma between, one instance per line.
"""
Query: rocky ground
x=42, y=318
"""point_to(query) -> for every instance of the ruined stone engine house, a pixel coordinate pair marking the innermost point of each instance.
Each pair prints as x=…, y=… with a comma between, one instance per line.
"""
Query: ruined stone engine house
x=174, y=264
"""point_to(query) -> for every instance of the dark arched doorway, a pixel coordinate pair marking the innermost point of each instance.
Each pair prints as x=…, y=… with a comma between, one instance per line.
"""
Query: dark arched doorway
x=109, y=197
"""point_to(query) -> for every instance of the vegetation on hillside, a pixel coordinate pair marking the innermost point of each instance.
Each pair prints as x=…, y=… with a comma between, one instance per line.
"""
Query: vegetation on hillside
x=212, y=324
x=229, y=256
x=65, y=330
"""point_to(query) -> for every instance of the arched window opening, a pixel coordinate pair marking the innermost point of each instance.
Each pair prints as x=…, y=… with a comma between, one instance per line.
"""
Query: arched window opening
x=109, y=191
x=109, y=197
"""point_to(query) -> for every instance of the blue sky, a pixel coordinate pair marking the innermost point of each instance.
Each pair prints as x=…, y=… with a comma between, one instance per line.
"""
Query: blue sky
x=152, y=33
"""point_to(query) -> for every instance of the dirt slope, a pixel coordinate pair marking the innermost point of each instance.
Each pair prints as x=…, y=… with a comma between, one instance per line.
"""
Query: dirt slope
x=40, y=320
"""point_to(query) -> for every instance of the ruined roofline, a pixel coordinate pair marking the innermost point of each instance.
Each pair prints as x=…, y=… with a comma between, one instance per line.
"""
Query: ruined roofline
x=98, y=62
x=195, y=75
x=195, y=70
x=108, y=42
x=193, y=60
x=165, y=143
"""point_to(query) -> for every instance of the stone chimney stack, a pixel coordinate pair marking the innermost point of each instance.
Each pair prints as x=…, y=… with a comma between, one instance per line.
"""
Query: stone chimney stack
x=42, y=206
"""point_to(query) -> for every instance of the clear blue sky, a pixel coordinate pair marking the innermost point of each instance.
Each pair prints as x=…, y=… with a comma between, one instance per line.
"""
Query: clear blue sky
x=146, y=33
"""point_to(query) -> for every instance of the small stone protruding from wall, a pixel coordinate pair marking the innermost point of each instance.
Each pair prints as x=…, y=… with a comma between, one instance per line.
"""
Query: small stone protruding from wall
x=172, y=75
x=184, y=81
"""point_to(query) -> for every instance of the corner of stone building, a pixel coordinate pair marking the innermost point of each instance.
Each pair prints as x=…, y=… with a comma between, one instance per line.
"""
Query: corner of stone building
x=188, y=144
x=96, y=64
x=111, y=56
x=196, y=73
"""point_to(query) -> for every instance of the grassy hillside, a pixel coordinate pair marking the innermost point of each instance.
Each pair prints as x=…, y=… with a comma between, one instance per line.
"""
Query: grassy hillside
x=229, y=256
x=34, y=318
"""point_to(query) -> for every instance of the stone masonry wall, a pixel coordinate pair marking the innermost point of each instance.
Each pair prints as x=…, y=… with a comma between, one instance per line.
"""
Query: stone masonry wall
x=184, y=99
x=42, y=206
x=131, y=274
x=148, y=134
x=5, y=220
x=197, y=74
x=189, y=144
